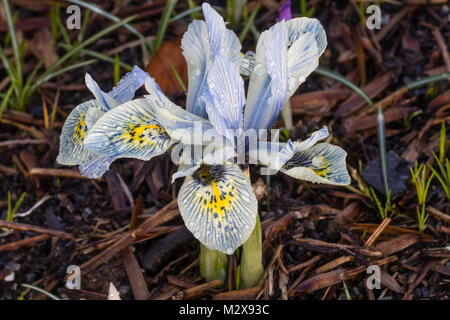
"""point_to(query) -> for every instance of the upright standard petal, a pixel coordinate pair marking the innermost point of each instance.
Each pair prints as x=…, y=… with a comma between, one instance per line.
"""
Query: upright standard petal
x=269, y=80
x=128, y=131
x=307, y=42
x=224, y=95
x=71, y=147
x=300, y=26
x=201, y=43
x=218, y=206
x=323, y=163
x=303, y=58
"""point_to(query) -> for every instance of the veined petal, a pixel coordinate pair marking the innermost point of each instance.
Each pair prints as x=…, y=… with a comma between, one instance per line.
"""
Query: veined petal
x=123, y=92
x=201, y=43
x=104, y=100
x=128, y=85
x=307, y=42
x=222, y=41
x=315, y=137
x=130, y=130
x=218, y=206
x=272, y=154
x=74, y=131
x=180, y=124
x=269, y=80
x=196, y=50
x=195, y=155
x=303, y=58
x=224, y=95
x=92, y=116
x=97, y=167
x=323, y=163
x=299, y=26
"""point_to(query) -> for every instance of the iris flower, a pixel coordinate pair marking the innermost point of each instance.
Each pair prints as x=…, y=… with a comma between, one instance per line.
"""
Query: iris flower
x=216, y=199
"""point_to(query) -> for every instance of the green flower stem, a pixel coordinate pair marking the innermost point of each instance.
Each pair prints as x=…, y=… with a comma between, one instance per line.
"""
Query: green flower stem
x=213, y=264
x=251, y=264
x=252, y=268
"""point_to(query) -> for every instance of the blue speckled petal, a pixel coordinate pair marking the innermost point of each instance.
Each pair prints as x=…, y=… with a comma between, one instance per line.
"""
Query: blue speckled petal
x=218, y=206
x=74, y=131
x=96, y=168
x=323, y=163
x=130, y=130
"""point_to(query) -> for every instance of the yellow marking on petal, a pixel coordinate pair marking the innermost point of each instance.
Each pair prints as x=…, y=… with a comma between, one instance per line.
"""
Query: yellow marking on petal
x=141, y=134
x=80, y=129
x=216, y=201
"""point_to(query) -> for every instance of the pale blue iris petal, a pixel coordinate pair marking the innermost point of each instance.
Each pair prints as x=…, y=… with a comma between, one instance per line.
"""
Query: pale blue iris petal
x=195, y=155
x=224, y=95
x=196, y=50
x=105, y=102
x=201, y=44
x=92, y=116
x=96, y=168
x=299, y=26
x=218, y=206
x=128, y=85
x=269, y=80
x=190, y=160
x=130, y=130
x=155, y=92
x=303, y=58
x=180, y=124
x=74, y=131
x=272, y=154
x=232, y=47
x=311, y=141
x=216, y=29
x=322, y=163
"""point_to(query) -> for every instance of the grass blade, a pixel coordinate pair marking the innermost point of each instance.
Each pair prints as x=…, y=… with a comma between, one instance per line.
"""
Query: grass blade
x=80, y=46
x=382, y=148
x=111, y=17
x=339, y=78
x=250, y=21
x=165, y=19
x=48, y=294
x=99, y=56
x=15, y=45
x=41, y=80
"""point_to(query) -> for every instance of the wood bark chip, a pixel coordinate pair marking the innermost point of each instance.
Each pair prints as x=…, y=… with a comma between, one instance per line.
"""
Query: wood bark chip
x=28, y=242
x=397, y=244
x=135, y=276
x=165, y=214
x=37, y=229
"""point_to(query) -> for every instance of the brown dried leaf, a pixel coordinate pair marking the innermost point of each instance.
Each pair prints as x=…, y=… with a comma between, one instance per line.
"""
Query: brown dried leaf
x=167, y=58
x=42, y=47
